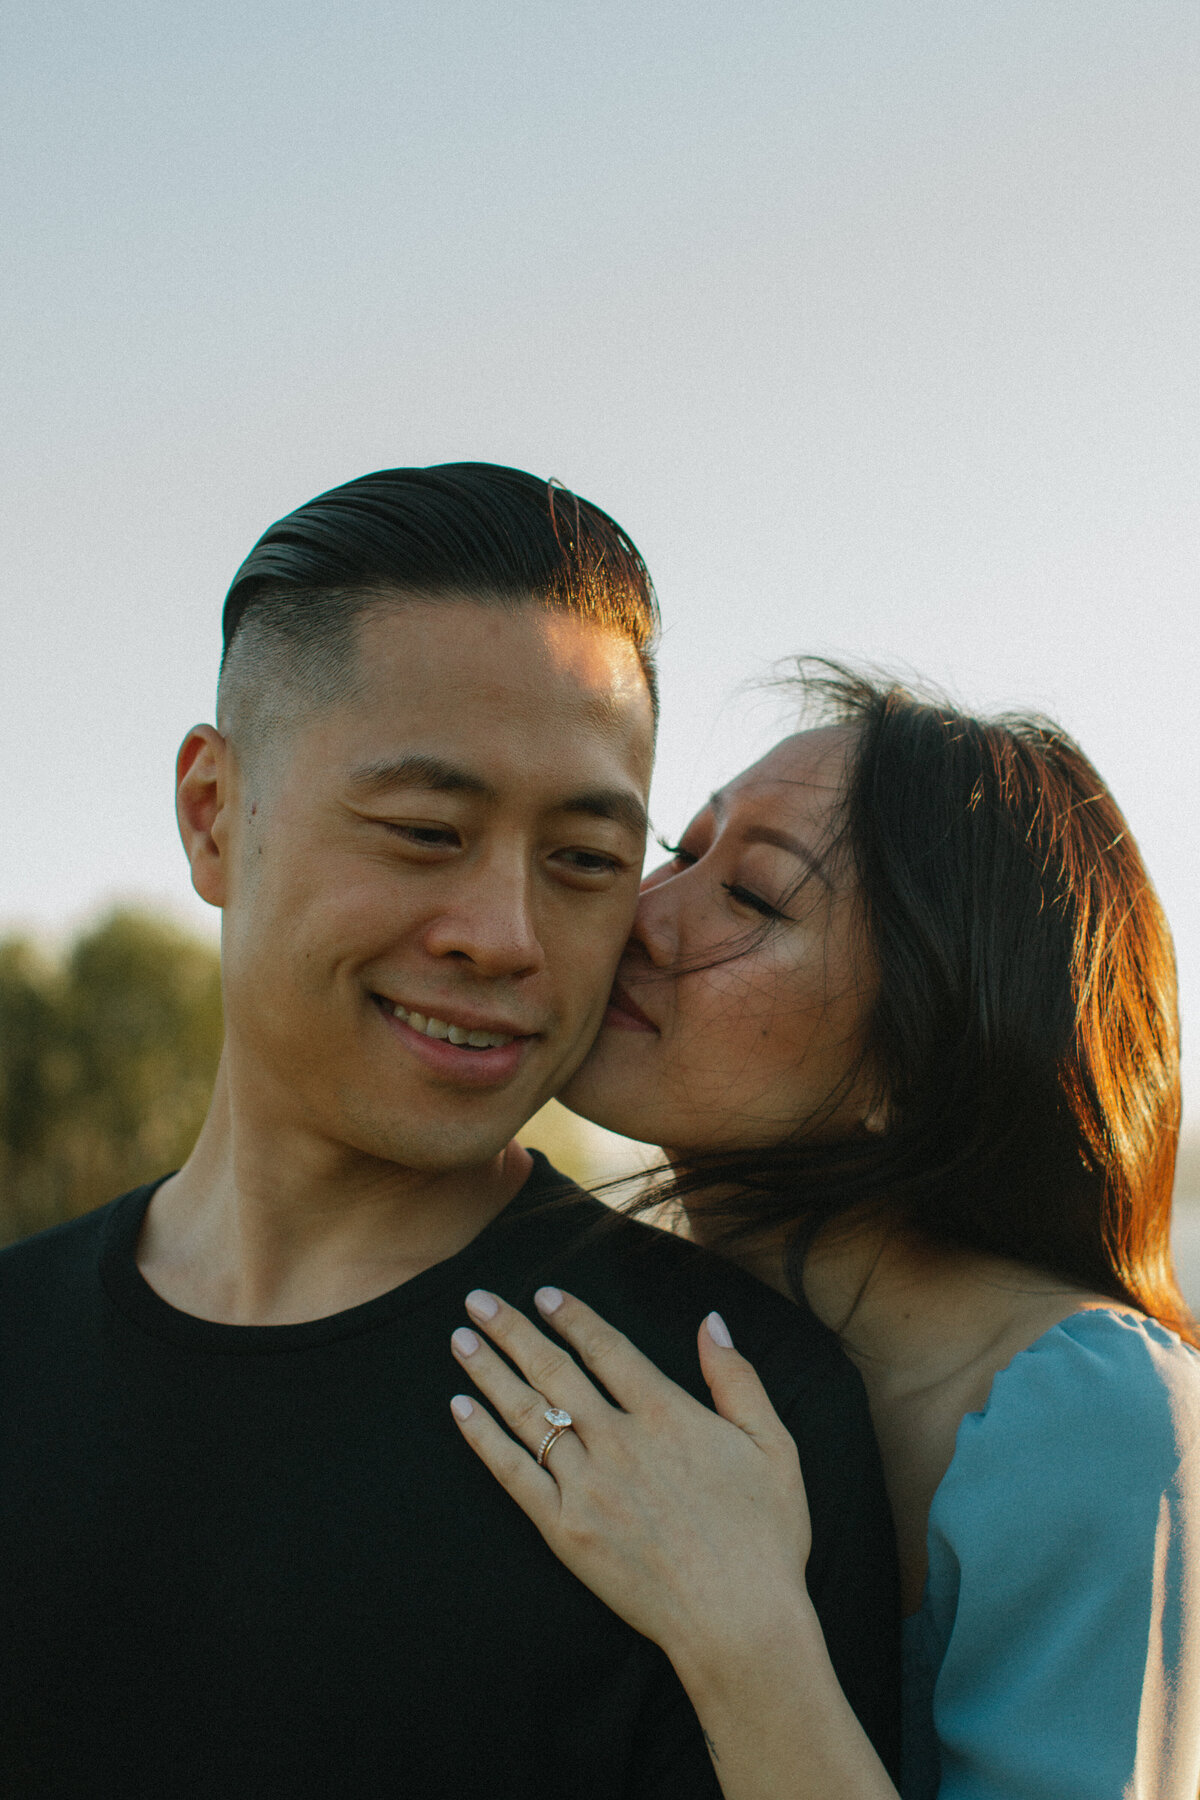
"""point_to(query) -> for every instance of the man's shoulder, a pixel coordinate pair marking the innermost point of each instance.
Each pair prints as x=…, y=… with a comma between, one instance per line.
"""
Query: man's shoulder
x=657, y=1288
x=71, y=1248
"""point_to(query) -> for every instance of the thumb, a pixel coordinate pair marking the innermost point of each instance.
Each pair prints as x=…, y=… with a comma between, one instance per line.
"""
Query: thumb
x=737, y=1393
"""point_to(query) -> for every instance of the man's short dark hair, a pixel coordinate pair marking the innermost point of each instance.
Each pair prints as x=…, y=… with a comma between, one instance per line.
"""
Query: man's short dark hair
x=466, y=531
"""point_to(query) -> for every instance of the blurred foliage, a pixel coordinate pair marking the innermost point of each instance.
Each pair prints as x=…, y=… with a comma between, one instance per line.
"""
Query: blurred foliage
x=107, y=1058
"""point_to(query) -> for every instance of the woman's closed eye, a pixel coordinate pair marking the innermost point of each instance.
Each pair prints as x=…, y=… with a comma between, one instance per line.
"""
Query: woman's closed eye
x=739, y=894
x=755, y=902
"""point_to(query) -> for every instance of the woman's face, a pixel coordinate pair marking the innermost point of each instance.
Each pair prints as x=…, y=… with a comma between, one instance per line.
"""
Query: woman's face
x=740, y=1003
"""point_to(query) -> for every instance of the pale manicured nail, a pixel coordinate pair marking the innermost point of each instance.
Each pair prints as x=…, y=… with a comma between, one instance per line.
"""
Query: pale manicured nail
x=481, y=1305
x=461, y=1407
x=718, y=1331
x=548, y=1300
x=464, y=1341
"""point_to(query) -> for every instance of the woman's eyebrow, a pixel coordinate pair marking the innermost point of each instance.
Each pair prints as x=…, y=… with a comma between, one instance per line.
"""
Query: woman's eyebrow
x=779, y=840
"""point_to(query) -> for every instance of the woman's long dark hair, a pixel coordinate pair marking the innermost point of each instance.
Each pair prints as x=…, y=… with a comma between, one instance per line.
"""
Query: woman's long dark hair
x=1024, y=1033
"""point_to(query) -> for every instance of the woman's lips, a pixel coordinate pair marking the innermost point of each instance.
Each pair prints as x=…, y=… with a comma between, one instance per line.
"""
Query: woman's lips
x=624, y=1014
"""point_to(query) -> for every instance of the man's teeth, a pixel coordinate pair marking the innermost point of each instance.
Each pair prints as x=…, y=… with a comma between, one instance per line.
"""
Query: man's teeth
x=453, y=1034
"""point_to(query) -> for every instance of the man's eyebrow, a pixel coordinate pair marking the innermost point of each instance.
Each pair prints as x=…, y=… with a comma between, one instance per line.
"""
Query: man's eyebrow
x=779, y=840
x=617, y=804
x=438, y=776
x=420, y=771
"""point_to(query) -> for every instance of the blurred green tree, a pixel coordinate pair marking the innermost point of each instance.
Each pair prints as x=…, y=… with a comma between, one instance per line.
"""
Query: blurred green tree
x=107, y=1059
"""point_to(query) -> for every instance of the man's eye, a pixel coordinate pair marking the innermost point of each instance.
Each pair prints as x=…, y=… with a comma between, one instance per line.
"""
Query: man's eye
x=590, y=862
x=425, y=837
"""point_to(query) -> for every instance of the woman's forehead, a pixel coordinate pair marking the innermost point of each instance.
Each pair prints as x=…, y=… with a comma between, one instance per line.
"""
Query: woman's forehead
x=804, y=774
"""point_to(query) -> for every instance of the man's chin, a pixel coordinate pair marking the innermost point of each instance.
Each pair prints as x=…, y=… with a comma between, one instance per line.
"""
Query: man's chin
x=449, y=1154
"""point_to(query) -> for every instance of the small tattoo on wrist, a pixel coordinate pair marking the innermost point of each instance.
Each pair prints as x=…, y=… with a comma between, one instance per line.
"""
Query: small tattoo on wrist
x=709, y=1745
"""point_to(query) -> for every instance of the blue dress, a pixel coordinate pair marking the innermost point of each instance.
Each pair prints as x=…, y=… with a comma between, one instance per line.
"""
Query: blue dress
x=1056, y=1652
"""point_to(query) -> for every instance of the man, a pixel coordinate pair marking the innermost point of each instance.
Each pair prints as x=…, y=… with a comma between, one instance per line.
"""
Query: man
x=245, y=1550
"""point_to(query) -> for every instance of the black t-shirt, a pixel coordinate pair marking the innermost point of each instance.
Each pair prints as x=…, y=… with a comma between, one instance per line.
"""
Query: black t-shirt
x=259, y=1561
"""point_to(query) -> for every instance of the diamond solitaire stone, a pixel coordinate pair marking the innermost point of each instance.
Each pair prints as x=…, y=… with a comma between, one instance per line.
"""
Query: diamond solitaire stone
x=554, y=1415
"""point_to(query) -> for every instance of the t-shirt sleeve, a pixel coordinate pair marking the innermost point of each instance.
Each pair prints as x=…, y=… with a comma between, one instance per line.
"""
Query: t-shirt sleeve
x=1064, y=1578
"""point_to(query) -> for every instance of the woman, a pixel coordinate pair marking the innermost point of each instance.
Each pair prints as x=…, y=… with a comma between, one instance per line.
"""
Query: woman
x=901, y=1009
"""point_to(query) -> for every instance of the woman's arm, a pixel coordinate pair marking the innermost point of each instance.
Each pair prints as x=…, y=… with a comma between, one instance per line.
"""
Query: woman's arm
x=692, y=1525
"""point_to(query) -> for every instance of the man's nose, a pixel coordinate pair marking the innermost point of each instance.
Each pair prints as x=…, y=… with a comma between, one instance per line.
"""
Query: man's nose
x=489, y=920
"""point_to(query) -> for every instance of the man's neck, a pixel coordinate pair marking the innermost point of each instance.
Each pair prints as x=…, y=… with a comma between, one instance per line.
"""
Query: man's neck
x=281, y=1227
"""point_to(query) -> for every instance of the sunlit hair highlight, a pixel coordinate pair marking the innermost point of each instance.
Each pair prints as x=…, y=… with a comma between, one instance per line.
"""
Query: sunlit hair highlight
x=1024, y=1032
x=480, y=532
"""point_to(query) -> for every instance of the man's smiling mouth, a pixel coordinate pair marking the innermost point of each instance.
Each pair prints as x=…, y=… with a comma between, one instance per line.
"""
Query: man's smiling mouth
x=444, y=1032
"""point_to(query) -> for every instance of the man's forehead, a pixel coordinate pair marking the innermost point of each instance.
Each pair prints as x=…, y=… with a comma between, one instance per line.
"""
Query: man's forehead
x=505, y=625
x=525, y=666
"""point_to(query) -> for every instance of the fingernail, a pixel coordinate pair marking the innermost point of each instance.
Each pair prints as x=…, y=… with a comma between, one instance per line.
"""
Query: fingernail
x=718, y=1331
x=461, y=1407
x=548, y=1300
x=481, y=1305
x=464, y=1341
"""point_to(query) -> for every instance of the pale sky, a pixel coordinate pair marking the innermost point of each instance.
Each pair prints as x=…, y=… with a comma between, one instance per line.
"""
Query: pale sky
x=874, y=323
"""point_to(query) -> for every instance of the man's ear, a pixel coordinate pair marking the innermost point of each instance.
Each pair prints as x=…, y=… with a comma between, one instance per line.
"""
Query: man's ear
x=203, y=774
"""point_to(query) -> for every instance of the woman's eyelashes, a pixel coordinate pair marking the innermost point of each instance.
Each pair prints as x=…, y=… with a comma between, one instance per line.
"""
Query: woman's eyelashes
x=755, y=902
x=739, y=894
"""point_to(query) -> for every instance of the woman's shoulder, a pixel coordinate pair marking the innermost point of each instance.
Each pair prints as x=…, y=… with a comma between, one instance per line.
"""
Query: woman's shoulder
x=1063, y=1543
x=1095, y=1374
x=1095, y=1418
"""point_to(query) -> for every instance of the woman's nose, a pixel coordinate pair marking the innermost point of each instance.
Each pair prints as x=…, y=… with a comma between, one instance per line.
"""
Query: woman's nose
x=655, y=931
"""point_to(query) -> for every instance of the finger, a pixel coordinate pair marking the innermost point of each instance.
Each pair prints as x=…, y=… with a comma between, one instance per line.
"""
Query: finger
x=544, y=1364
x=737, y=1392
x=631, y=1378
x=522, y=1407
x=533, y=1489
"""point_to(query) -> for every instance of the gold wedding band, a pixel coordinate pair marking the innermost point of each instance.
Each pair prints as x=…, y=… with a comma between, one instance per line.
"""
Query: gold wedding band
x=558, y=1421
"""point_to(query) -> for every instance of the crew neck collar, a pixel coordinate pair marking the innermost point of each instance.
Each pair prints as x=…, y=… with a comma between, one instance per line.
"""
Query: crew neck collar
x=132, y=1295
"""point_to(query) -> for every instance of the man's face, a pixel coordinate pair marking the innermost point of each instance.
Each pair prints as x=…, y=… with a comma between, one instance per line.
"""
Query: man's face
x=454, y=851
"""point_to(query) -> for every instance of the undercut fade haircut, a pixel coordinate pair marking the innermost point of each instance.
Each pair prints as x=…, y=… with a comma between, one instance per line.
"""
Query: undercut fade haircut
x=458, y=531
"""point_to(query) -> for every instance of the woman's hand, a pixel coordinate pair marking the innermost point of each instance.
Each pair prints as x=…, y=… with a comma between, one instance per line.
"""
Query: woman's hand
x=690, y=1524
